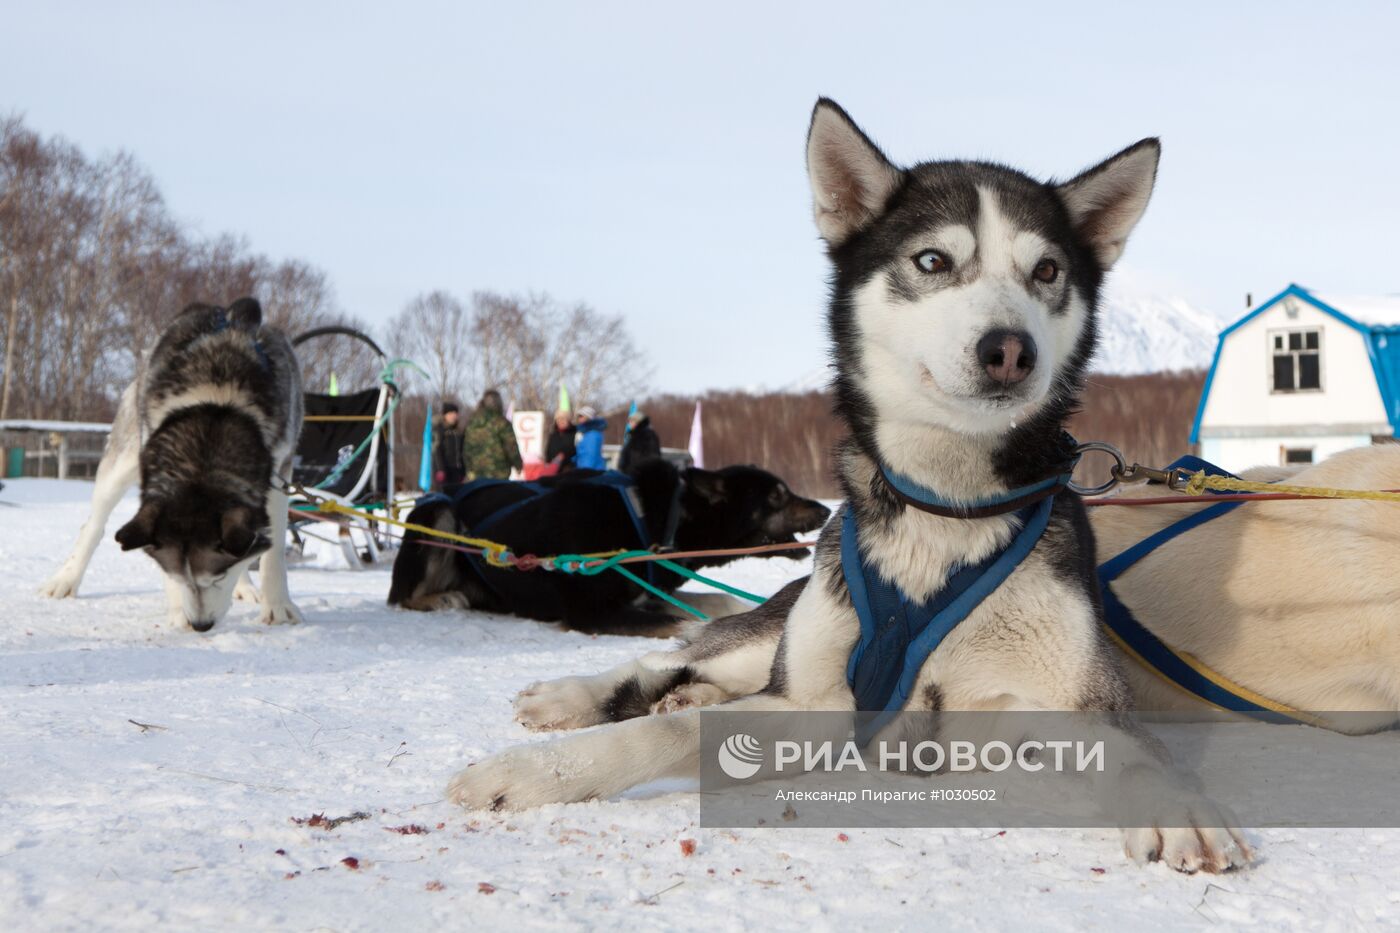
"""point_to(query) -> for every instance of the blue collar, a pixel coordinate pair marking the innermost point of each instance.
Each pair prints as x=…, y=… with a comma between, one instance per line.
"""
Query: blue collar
x=1013, y=500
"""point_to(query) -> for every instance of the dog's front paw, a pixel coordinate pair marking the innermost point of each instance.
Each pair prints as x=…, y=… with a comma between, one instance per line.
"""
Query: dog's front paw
x=516, y=779
x=566, y=703
x=433, y=602
x=61, y=585
x=1190, y=836
x=280, y=614
x=245, y=591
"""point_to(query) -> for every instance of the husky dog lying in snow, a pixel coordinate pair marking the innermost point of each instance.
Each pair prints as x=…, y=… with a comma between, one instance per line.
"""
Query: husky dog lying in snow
x=585, y=512
x=1294, y=600
x=208, y=431
x=962, y=317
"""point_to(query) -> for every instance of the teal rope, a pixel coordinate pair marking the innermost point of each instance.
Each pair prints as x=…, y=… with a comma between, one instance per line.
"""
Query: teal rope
x=579, y=564
x=576, y=563
x=698, y=578
x=387, y=373
x=662, y=594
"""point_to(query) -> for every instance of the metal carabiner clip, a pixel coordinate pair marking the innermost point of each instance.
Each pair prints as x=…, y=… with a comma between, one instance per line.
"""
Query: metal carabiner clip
x=1116, y=474
x=1174, y=478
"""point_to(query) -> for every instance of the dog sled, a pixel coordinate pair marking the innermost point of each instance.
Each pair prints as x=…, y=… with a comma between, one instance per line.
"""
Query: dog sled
x=346, y=454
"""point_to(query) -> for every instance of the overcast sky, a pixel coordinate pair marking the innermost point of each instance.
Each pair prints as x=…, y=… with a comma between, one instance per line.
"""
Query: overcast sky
x=648, y=158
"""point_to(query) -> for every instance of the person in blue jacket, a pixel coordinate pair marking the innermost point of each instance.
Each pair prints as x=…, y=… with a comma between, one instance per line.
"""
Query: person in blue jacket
x=588, y=442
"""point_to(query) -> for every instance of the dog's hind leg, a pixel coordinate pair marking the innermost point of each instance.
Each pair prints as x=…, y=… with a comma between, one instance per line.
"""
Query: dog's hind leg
x=726, y=658
x=118, y=471
x=690, y=696
x=624, y=692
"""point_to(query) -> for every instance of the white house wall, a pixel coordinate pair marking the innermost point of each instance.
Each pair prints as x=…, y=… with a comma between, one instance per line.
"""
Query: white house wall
x=1241, y=400
x=1237, y=454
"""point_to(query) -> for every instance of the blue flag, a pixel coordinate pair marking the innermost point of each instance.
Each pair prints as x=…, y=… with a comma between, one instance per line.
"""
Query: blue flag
x=425, y=466
x=631, y=412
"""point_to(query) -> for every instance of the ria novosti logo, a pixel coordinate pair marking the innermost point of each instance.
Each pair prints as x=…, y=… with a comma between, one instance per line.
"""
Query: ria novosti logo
x=740, y=756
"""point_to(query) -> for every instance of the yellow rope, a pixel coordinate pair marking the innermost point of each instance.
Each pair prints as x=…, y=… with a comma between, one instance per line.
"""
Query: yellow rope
x=493, y=551
x=1200, y=482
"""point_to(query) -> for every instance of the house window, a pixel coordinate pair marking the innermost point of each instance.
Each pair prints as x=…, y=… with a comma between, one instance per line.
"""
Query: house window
x=1297, y=455
x=1297, y=359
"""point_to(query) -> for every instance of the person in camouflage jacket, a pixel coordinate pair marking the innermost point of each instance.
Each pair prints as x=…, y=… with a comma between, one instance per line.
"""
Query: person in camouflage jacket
x=490, y=449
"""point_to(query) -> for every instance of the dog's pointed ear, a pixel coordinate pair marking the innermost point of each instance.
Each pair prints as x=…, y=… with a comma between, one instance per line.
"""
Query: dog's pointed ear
x=245, y=314
x=140, y=531
x=240, y=531
x=851, y=178
x=709, y=486
x=1107, y=201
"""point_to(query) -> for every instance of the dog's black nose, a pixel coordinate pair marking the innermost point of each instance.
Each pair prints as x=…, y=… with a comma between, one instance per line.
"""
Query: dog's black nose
x=202, y=626
x=1007, y=355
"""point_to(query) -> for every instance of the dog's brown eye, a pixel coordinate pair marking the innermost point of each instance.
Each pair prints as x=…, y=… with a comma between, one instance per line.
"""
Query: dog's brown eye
x=1046, y=271
x=931, y=260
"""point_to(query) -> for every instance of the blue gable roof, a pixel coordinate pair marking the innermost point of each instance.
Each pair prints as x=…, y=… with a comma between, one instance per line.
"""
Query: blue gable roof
x=1382, y=345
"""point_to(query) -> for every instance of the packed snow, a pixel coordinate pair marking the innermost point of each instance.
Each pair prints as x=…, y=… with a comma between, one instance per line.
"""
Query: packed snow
x=153, y=775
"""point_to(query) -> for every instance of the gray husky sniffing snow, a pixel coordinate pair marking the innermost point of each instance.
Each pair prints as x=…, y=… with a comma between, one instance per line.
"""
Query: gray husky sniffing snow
x=961, y=317
x=210, y=431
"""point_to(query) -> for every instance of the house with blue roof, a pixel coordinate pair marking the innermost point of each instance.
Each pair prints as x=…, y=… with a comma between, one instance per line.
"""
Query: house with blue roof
x=1300, y=377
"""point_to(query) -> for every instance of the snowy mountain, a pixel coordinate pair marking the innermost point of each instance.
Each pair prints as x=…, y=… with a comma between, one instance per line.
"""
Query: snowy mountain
x=1144, y=333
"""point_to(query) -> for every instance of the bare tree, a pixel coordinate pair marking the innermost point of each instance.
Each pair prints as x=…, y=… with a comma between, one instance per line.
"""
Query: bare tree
x=93, y=267
x=433, y=331
x=526, y=345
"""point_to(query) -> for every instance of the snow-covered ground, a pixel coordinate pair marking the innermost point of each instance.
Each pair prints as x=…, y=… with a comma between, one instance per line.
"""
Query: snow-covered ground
x=150, y=775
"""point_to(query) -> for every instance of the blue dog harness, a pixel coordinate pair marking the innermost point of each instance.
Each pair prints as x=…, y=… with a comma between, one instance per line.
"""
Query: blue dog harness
x=897, y=635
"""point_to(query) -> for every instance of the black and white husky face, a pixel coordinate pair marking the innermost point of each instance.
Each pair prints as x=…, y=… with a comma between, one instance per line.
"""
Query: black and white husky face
x=203, y=544
x=964, y=291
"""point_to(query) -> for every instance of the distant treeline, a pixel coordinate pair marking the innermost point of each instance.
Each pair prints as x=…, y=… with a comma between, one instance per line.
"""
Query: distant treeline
x=93, y=264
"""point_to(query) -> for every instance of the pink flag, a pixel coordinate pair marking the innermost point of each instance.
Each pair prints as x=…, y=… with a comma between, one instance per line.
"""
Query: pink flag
x=697, y=440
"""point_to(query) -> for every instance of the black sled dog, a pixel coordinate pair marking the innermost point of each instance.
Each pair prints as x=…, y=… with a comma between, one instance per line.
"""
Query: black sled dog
x=588, y=512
